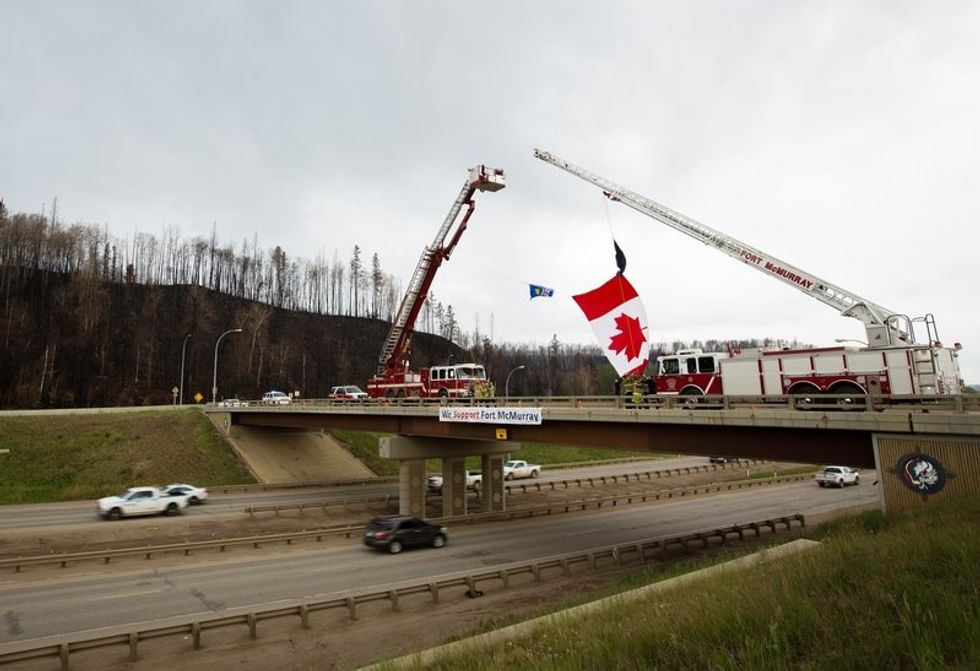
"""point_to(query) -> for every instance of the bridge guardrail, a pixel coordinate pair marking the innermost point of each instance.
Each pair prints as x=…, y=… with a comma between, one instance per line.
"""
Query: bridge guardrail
x=195, y=626
x=222, y=544
x=802, y=402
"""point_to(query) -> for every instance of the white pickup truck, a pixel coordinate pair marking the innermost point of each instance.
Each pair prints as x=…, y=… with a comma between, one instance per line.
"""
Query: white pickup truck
x=473, y=481
x=517, y=468
x=141, y=501
x=837, y=476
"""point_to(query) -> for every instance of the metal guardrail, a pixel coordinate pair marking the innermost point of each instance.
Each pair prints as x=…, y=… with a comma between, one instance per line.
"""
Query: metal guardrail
x=509, y=487
x=387, y=479
x=321, y=505
x=617, y=499
x=148, y=551
x=637, y=475
x=222, y=544
x=274, y=486
x=194, y=627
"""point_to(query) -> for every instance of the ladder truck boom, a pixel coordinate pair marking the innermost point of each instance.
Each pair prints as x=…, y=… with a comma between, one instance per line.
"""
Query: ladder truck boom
x=396, y=345
x=884, y=327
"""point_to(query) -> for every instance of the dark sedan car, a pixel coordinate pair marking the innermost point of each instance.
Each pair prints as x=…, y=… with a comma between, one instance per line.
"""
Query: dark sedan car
x=395, y=532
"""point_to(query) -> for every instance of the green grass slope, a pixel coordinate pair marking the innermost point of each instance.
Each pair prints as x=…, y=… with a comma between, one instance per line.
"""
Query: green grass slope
x=85, y=456
x=880, y=593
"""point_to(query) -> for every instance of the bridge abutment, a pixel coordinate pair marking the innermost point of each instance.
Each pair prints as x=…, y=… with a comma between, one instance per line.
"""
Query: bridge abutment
x=915, y=471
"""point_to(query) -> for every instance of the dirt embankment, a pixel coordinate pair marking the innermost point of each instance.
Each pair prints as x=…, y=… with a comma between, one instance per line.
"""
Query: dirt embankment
x=287, y=455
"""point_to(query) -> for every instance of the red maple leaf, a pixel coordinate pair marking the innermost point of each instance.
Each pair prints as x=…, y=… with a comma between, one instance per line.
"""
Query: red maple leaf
x=629, y=338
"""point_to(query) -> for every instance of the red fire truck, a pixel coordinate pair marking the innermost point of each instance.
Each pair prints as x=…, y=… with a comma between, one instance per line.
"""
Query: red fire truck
x=829, y=370
x=891, y=363
x=394, y=377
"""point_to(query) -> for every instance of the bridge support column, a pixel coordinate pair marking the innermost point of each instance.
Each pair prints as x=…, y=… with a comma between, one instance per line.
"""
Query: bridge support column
x=412, y=452
x=453, y=486
x=411, y=487
x=493, y=493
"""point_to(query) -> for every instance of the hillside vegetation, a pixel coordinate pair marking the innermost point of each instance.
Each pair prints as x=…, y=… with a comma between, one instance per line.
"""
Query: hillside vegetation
x=881, y=593
x=85, y=456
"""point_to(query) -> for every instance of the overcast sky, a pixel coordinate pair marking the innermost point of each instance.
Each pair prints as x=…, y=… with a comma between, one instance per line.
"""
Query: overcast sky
x=841, y=137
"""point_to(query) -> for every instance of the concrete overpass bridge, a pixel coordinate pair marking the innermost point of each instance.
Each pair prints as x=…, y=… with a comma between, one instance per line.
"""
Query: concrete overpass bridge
x=924, y=448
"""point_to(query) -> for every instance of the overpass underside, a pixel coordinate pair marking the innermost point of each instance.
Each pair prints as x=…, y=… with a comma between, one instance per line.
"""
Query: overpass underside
x=813, y=446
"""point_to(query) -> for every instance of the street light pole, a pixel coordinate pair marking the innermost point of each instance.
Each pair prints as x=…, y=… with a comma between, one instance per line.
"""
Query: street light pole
x=183, y=352
x=507, y=383
x=214, y=381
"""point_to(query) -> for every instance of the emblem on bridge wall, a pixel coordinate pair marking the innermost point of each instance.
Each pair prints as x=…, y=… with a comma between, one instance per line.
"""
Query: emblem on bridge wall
x=921, y=473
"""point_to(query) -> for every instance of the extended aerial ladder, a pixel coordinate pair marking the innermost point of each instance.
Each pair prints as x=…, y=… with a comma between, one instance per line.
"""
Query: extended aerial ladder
x=884, y=327
x=397, y=344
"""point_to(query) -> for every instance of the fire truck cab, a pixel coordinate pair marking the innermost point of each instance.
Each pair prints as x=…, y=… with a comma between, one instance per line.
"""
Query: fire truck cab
x=689, y=371
x=462, y=380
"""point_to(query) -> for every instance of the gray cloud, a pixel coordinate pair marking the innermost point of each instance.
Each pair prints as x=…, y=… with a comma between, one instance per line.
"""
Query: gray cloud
x=839, y=136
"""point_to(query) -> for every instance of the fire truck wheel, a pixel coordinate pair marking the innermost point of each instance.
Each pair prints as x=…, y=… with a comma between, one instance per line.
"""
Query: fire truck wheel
x=855, y=395
x=691, y=398
x=443, y=393
x=806, y=397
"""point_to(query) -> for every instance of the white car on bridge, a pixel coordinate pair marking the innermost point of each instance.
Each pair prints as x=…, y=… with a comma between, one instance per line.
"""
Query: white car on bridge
x=275, y=398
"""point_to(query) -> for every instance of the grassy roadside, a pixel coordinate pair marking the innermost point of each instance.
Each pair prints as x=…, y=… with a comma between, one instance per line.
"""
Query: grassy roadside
x=71, y=457
x=881, y=593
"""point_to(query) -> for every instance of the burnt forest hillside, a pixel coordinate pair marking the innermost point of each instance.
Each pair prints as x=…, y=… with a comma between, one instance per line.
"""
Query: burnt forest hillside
x=89, y=320
x=69, y=343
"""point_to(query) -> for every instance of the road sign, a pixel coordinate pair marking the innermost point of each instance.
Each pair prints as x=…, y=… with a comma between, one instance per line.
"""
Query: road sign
x=198, y=397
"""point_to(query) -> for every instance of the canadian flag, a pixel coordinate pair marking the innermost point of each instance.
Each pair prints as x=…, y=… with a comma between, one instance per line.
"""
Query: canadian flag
x=620, y=324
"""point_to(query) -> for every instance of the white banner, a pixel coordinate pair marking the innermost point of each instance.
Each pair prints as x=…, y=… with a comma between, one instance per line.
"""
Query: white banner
x=491, y=415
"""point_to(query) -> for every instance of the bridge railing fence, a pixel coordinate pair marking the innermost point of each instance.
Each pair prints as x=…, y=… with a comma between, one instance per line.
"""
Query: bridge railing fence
x=800, y=402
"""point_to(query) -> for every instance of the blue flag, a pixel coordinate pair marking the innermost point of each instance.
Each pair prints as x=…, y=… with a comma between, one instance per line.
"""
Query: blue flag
x=540, y=291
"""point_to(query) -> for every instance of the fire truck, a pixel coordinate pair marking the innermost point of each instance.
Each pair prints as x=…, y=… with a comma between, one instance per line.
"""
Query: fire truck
x=394, y=377
x=891, y=363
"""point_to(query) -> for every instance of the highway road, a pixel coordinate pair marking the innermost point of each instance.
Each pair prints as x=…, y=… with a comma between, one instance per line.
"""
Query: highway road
x=104, y=596
x=26, y=517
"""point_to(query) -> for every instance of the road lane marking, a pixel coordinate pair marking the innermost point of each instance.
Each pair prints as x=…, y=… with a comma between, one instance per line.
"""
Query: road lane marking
x=126, y=595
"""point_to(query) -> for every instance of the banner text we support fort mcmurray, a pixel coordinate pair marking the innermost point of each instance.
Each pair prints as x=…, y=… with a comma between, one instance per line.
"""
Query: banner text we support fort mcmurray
x=491, y=415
